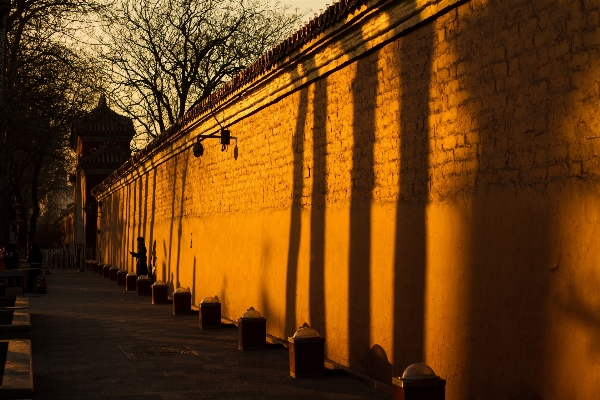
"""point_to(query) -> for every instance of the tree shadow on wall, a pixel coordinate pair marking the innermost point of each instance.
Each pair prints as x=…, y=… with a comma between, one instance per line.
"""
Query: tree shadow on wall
x=183, y=180
x=144, y=212
x=317, y=210
x=177, y=213
x=413, y=56
x=110, y=228
x=194, y=299
x=129, y=241
x=150, y=223
x=410, y=237
x=126, y=216
x=518, y=202
x=414, y=67
x=364, y=93
x=166, y=275
x=295, y=226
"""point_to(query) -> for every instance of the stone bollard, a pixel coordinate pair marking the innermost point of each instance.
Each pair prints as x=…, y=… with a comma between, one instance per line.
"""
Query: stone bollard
x=252, y=331
x=307, y=353
x=106, y=270
x=182, y=301
x=95, y=266
x=419, y=382
x=131, y=282
x=112, y=273
x=122, y=277
x=143, y=286
x=210, y=313
x=90, y=265
x=100, y=268
x=159, y=293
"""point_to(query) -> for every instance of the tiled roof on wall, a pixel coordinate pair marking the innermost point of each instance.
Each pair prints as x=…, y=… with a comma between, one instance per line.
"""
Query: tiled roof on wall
x=109, y=155
x=102, y=122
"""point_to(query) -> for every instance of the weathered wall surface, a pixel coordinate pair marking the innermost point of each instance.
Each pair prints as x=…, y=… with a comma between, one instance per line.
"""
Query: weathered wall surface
x=435, y=199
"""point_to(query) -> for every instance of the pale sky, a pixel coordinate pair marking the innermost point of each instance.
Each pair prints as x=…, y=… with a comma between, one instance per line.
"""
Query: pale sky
x=315, y=5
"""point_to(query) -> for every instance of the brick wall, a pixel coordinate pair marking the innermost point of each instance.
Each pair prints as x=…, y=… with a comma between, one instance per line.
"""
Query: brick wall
x=419, y=184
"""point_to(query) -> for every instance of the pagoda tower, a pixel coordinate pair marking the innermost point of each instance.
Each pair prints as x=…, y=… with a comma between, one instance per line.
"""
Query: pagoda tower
x=101, y=140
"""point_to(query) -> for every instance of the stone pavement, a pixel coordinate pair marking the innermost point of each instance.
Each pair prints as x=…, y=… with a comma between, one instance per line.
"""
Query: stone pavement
x=84, y=333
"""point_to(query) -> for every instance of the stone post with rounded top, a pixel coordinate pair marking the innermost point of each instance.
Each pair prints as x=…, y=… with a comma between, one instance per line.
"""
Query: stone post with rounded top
x=210, y=313
x=182, y=301
x=160, y=293
x=307, y=353
x=252, y=331
x=419, y=382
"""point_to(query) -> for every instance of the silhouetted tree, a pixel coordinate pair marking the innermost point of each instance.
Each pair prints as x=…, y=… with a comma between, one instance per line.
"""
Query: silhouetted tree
x=46, y=84
x=52, y=91
x=164, y=56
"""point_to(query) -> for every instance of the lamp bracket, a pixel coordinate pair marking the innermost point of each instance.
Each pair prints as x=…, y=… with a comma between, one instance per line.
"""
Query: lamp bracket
x=202, y=137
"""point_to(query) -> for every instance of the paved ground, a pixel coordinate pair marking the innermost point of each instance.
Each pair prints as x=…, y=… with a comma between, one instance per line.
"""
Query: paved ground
x=83, y=327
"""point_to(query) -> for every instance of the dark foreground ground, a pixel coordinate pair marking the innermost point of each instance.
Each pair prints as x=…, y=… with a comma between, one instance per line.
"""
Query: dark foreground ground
x=89, y=339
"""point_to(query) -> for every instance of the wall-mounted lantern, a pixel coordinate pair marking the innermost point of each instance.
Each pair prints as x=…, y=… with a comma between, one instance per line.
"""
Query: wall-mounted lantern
x=224, y=135
x=198, y=149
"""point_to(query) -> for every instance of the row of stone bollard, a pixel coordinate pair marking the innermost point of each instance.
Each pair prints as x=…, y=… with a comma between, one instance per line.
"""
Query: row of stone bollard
x=306, y=347
x=121, y=276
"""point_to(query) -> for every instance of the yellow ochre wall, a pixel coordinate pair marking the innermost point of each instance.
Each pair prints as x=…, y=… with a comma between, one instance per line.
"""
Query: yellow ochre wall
x=419, y=184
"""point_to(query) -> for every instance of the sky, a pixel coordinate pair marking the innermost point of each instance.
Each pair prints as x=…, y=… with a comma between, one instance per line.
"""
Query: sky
x=315, y=5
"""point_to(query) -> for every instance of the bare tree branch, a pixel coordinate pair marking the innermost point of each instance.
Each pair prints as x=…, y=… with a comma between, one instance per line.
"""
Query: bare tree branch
x=164, y=56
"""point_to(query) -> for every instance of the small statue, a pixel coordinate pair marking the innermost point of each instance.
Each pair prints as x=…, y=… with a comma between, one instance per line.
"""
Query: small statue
x=140, y=266
x=35, y=257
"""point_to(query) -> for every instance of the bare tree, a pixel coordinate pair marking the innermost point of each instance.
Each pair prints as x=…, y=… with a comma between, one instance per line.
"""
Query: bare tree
x=162, y=57
x=46, y=85
x=53, y=90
